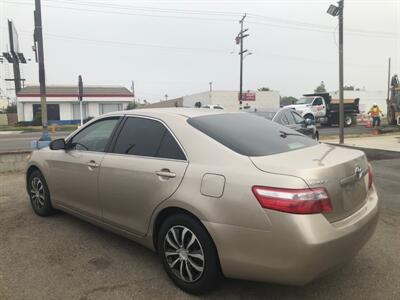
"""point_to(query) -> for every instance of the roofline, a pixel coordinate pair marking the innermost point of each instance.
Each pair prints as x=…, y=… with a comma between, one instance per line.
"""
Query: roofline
x=76, y=95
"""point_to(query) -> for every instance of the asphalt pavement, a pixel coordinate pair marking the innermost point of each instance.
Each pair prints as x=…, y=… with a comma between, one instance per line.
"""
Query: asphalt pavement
x=62, y=257
x=22, y=141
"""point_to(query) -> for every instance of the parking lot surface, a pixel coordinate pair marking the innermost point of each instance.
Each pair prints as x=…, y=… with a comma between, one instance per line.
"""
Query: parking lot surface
x=62, y=257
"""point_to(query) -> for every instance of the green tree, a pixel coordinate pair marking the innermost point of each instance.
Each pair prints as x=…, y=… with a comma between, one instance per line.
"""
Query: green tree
x=12, y=108
x=288, y=100
x=131, y=105
x=348, y=88
x=321, y=88
x=263, y=89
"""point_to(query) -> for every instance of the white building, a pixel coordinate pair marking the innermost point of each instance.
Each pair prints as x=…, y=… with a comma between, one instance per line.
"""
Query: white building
x=367, y=99
x=63, y=104
x=228, y=99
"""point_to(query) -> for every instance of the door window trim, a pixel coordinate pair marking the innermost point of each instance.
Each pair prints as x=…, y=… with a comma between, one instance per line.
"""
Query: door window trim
x=109, y=143
x=120, y=127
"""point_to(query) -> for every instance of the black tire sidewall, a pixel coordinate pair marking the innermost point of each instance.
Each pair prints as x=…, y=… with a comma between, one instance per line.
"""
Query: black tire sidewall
x=212, y=273
x=47, y=209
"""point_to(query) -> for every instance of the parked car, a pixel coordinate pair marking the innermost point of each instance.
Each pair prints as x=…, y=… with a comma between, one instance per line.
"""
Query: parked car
x=213, y=106
x=214, y=193
x=290, y=118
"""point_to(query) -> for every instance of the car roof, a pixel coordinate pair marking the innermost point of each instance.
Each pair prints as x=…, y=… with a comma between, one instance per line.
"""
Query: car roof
x=178, y=111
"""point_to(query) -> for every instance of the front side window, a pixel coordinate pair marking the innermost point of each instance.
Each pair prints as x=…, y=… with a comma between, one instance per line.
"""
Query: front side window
x=146, y=137
x=317, y=102
x=94, y=137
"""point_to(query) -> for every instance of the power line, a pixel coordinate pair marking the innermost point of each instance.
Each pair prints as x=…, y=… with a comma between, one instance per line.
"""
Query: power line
x=272, y=21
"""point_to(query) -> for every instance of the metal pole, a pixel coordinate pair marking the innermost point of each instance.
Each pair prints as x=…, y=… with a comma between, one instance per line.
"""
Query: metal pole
x=80, y=96
x=42, y=79
x=341, y=106
x=388, y=91
x=241, y=58
x=210, y=83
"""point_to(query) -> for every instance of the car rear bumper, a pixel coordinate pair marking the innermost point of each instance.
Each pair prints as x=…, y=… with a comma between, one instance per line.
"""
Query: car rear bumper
x=298, y=250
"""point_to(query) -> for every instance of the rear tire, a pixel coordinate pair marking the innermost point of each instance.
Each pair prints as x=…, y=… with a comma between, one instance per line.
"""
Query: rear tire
x=188, y=254
x=391, y=116
x=348, y=120
x=39, y=194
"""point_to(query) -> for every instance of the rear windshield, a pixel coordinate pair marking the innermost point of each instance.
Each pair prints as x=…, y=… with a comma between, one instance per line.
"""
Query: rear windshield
x=250, y=135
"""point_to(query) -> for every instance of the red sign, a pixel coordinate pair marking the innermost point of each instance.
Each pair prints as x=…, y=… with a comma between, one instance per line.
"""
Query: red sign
x=248, y=96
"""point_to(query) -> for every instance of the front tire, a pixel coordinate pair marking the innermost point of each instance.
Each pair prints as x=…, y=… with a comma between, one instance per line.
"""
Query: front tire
x=39, y=195
x=188, y=254
x=309, y=116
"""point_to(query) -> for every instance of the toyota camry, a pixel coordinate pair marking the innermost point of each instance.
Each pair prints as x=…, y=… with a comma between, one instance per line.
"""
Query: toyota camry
x=213, y=193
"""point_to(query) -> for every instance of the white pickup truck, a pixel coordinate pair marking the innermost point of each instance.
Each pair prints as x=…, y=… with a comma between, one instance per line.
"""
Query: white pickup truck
x=320, y=107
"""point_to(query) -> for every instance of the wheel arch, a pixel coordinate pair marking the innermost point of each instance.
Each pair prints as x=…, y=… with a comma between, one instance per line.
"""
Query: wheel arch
x=310, y=115
x=168, y=211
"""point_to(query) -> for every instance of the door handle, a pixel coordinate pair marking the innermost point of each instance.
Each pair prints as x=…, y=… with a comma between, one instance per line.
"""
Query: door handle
x=92, y=164
x=166, y=173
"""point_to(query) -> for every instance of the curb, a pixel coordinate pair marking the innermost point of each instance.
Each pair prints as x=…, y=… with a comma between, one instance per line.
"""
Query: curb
x=373, y=154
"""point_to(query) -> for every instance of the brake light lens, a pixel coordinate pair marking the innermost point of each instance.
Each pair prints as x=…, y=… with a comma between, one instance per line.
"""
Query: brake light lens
x=370, y=179
x=295, y=201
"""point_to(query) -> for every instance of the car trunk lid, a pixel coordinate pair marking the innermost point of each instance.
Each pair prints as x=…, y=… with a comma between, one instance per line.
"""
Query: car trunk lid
x=342, y=172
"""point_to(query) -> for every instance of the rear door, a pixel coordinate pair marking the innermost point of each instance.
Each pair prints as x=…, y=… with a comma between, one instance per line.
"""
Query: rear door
x=146, y=166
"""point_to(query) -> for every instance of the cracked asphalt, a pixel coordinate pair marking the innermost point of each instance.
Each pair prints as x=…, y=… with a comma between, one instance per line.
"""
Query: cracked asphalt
x=62, y=257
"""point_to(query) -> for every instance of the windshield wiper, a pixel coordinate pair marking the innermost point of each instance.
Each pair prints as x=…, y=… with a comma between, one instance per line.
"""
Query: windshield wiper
x=284, y=134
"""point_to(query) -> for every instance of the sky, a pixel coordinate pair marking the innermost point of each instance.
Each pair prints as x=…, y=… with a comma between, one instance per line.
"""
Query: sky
x=178, y=47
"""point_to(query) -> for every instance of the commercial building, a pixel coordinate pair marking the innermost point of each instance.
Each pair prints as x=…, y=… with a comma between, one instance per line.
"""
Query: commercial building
x=228, y=99
x=63, y=104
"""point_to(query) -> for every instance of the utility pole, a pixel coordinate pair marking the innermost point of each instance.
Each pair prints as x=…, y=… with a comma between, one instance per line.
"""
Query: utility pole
x=133, y=91
x=388, y=90
x=239, y=40
x=38, y=40
x=210, y=83
x=341, y=106
x=80, y=96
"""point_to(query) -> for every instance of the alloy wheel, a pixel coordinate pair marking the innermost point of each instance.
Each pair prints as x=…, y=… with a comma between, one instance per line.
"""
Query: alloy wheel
x=37, y=192
x=184, y=253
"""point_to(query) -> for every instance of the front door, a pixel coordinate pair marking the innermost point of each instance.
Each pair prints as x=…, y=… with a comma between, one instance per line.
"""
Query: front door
x=145, y=168
x=75, y=171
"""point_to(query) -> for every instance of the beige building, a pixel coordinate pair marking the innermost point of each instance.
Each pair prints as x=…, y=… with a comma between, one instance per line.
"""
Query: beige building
x=228, y=99
x=3, y=103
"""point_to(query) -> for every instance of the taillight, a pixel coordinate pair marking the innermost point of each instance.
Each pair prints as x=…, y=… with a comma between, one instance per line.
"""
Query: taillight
x=370, y=181
x=295, y=201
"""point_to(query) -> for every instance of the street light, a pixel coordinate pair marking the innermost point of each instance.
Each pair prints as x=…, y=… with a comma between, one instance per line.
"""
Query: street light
x=337, y=11
x=333, y=10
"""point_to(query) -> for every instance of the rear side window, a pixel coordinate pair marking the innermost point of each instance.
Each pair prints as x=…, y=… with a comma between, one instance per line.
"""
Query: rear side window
x=290, y=117
x=297, y=118
x=145, y=137
x=250, y=135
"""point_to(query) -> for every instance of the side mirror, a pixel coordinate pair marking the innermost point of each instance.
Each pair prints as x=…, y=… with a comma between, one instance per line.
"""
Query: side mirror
x=308, y=122
x=58, y=144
